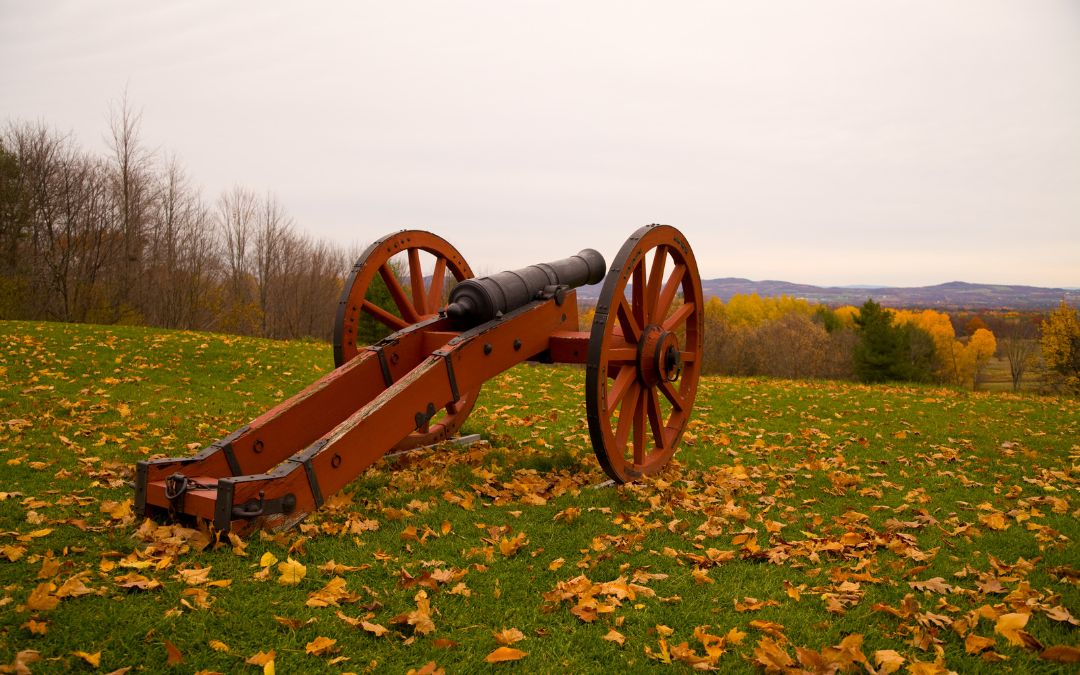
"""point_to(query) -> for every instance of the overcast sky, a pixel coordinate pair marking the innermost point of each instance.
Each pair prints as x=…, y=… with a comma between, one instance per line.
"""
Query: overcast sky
x=825, y=142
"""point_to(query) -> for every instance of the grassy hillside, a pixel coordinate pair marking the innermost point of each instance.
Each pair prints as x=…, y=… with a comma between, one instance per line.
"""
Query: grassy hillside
x=804, y=524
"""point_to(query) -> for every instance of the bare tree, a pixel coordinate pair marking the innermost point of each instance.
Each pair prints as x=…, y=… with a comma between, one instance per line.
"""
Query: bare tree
x=1020, y=344
x=273, y=236
x=237, y=212
x=133, y=195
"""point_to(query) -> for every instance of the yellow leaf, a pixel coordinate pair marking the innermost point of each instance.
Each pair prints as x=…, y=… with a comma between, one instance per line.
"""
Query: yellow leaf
x=219, y=646
x=421, y=618
x=1009, y=625
x=320, y=646
x=374, y=628
x=36, y=627
x=41, y=598
x=505, y=654
x=510, y=547
x=995, y=521
x=508, y=636
x=772, y=655
x=734, y=637
x=268, y=559
x=973, y=644
x=35, y=534
x=616, y=637
x=93, y=659
x=556, y=564
x=194, y=577
x=888, y=661
x=261, y=659
x=292, y=572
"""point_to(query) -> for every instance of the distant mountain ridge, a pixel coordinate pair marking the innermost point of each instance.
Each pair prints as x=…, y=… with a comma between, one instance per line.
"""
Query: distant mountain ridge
x=951, y=295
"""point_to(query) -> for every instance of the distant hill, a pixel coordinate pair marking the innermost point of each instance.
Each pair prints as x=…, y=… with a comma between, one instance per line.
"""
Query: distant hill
x=952, y=295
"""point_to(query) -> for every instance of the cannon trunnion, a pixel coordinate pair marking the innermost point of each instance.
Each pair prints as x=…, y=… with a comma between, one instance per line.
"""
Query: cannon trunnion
x=446, y=334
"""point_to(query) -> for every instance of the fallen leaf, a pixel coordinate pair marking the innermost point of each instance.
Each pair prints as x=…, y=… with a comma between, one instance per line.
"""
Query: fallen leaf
x=771, y=656
x=505, y=654
x=1009, y=625
x=291, y=571
x=174, y=655
x=1061, y=654
x=320, y=646
x=374, y=628
x=616, y=637
x=888, y=661
x=508, y=636
x=973, y=644
x=261, y=659
x=93, y=659
x=42, y=599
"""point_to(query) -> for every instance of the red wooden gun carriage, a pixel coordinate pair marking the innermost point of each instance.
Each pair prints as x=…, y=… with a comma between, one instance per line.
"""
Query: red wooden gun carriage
x=416, y=386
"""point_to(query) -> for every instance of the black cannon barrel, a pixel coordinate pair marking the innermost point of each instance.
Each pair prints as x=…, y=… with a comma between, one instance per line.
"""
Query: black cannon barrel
x=475, y=301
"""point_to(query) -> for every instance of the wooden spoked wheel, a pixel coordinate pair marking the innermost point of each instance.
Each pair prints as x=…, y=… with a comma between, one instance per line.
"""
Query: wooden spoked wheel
x=400, y=280
x=645, y=353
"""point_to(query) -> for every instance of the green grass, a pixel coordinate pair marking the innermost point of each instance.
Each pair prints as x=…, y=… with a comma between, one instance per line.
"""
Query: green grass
x=808, y=484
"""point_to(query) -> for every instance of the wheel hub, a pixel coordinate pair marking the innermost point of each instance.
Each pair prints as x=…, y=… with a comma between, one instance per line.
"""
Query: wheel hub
x=659, y=357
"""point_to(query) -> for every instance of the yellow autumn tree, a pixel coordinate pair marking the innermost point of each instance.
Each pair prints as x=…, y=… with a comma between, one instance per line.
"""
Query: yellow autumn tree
x=958, y=362
x=976, y=354
x=946, y=347
x=1061, y=345
x=753, y=310
x=846, y=315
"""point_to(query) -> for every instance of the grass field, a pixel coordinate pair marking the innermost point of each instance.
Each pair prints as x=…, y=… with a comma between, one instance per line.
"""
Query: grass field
x=815, y=525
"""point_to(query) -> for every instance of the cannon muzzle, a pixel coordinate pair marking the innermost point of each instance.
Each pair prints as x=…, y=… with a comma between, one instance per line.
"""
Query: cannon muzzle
x=476, y=301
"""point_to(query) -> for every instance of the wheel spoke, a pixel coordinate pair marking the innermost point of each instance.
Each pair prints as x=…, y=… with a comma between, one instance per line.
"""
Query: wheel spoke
x=619, y=387
x=688, y=357
x=416, y=278
x=667, y=295
x=672, y=394
x=656, y=419
x=384, y=317
x=630, y=326
x=398, y=294
x=656, y=279
x=438, y=278
x=639, y=427
x=679, y=317
x=626, y=417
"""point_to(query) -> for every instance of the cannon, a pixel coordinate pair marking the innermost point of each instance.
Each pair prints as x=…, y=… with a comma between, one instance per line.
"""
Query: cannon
x=446, y=333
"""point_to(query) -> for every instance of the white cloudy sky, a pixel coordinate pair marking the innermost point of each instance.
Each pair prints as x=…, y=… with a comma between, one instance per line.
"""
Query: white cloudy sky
x=831, y=142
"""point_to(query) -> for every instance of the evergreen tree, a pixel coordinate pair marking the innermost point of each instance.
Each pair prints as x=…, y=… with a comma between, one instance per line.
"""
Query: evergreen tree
x=887, y=351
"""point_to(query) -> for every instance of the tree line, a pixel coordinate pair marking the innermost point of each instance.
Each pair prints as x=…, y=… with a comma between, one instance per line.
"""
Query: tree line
x=128, y=238
x=791, y=338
